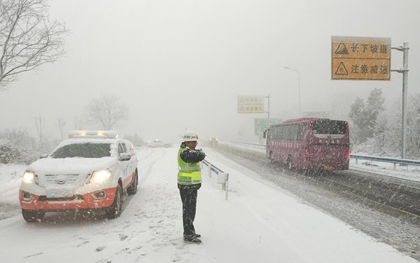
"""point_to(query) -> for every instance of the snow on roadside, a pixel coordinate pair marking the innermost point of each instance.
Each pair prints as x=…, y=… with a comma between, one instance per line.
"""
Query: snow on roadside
x=409, y=172
x=10, y=177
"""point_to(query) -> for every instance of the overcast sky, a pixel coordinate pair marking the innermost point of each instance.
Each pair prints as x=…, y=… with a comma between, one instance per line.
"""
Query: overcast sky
x=181, y=64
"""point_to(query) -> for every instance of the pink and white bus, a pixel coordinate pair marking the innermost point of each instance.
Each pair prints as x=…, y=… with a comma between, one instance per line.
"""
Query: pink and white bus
x=309, y=144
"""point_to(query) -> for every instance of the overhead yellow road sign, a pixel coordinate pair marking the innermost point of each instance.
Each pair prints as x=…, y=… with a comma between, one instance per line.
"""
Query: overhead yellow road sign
x=250, y=104
x=360, y=58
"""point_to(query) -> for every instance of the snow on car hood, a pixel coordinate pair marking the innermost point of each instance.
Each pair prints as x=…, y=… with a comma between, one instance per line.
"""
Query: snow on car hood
x=71, y=165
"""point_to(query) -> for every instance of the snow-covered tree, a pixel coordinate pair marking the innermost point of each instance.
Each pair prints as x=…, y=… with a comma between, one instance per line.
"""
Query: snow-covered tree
x=356, y=115
x=413, y=127
x=16, y=146
x=373, y=107
x=365, y=115
x=381, y=135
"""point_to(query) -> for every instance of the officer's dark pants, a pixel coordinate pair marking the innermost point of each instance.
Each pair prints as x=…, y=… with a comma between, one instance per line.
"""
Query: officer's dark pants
x=189, y=202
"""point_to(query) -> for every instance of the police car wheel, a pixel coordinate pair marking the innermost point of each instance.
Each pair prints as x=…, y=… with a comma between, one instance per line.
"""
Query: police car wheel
x=132, y=189
x=114, y=210
x=32, y=215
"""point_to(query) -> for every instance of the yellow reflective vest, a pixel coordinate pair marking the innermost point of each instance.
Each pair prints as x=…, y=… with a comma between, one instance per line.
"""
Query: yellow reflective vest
x=188, y=173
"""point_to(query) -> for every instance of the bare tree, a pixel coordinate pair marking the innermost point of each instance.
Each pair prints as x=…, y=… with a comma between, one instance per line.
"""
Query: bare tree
x=27, y=38
x=61, y=123
x=77, y=123
x=40, y=126
x=107, y=112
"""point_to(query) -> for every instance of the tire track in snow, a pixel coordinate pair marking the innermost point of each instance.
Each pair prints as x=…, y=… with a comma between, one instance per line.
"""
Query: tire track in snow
x=144, y=170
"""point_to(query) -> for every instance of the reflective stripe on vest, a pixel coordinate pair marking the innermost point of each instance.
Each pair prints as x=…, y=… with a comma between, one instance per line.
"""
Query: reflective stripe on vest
x=190, y=168
x=188, y=173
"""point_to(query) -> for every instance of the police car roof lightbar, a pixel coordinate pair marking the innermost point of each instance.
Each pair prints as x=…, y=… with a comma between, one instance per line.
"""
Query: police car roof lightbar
x=93, y=134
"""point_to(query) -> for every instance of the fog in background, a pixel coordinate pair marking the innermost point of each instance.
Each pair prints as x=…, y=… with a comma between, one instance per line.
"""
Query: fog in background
x=181, y=64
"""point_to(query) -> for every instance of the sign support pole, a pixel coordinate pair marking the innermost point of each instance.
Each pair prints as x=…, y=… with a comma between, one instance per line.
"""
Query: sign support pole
x=268, y=112
x=404, y=71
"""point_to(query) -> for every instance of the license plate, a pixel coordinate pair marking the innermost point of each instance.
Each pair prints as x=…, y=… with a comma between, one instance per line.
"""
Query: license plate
x=328, y=168
x=59, y=192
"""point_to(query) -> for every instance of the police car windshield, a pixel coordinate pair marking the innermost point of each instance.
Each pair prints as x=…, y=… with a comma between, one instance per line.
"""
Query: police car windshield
x=83, y=150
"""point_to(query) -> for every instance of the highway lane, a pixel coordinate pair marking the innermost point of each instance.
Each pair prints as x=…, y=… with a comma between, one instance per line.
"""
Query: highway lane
x=383, y=207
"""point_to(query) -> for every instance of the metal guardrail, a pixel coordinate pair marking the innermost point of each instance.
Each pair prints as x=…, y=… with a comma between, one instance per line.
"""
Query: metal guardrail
x=357, y=157
x=254, y=145
x=222, y=177
x=394, y=161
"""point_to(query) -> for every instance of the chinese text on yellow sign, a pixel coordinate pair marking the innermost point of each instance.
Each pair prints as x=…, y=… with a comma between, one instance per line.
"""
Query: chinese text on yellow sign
x=360, y=58
x=250, y=104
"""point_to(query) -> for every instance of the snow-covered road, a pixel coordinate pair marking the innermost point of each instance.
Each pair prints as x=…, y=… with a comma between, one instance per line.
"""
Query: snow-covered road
x=258, y=223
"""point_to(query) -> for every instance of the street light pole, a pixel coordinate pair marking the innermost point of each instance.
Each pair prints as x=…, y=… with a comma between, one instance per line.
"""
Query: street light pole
x=404, y=71
x=298, y=85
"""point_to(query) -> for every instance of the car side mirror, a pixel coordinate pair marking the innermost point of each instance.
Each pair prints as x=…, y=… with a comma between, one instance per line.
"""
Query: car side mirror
x=125, y=157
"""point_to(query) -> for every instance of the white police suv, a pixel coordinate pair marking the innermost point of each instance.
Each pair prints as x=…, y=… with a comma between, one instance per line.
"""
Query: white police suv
x=90, y=170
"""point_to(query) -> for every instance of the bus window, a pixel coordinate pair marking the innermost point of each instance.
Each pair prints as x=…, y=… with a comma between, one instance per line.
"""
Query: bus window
x=276, y=133
x=329, y=127
x=301, y=129
x=293, y=132
x=323, y=128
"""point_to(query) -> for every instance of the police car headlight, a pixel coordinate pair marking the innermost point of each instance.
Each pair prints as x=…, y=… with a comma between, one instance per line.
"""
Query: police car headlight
x=29, y=177
x=100, y=176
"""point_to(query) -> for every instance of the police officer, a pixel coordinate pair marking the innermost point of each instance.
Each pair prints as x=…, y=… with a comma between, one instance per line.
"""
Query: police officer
x=189, y=181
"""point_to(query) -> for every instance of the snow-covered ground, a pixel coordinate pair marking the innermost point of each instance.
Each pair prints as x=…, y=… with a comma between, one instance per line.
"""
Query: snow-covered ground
x=257, y=223
x=409, y=172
